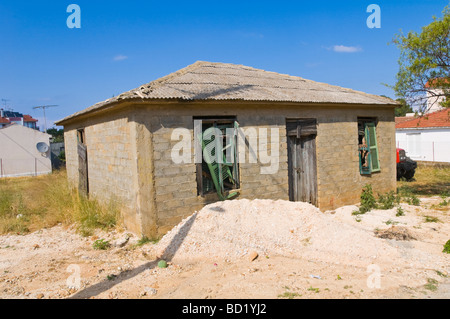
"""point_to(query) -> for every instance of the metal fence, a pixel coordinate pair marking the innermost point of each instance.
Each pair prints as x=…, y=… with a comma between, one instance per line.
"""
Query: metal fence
x=429, y=151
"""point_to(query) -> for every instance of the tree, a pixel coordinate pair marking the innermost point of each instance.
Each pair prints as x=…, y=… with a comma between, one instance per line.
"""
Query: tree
x=58, y=135
x=424, y=64
x=403, y=108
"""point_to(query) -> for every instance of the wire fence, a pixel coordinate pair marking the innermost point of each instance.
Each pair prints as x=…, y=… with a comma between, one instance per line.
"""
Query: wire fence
x=24, y=167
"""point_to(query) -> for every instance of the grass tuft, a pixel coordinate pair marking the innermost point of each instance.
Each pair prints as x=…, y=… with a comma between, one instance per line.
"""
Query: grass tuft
x=28, y=204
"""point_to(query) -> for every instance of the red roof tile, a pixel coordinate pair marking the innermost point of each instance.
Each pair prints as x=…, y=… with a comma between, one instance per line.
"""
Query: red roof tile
x=401, y=119
x=436, y=83
x=28, y=118
x=435, y=119
x=4, y=121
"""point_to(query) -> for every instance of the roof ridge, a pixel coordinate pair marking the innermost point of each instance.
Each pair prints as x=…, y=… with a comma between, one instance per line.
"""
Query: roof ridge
x=150, y=86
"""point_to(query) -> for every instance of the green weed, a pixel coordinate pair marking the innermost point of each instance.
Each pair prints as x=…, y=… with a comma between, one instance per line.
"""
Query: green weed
x=101, y=244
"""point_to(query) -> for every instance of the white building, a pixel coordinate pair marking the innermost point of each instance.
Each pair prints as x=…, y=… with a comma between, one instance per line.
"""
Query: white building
x=425, y=138
x=19, y=154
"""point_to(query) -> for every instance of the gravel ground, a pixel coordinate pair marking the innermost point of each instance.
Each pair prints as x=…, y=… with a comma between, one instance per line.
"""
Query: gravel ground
x=242, y=249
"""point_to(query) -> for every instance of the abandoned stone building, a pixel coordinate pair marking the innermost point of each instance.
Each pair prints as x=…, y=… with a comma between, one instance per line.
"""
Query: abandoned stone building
x=275, y=137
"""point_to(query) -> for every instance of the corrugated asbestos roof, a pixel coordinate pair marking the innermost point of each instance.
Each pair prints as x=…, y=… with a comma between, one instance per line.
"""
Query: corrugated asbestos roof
x=224, y=81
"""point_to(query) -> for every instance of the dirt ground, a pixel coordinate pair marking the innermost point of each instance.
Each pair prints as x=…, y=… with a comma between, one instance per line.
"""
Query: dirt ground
x=330, y=254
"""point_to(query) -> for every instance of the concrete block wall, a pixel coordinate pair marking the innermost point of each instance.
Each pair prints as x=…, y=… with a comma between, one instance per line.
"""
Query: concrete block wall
x=175, y=185
x=111, y=164
x=130, y=157
x=339, y=180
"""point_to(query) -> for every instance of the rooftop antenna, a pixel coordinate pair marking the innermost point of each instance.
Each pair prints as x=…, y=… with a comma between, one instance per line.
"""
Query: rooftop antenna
x=4, y=103
x=43, y=107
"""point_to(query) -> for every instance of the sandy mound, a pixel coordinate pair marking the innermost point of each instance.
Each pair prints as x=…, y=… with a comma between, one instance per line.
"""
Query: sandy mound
x=234, y=229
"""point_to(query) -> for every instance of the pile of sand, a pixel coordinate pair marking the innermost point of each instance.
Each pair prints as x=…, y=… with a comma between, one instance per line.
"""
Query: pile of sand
x=234, y=229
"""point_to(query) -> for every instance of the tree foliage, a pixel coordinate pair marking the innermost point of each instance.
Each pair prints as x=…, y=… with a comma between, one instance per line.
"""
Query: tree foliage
x=424, y=63
x=58, y=135
x=403, y=108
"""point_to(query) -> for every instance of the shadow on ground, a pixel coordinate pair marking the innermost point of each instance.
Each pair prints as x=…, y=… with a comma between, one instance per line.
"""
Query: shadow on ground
x=168, y=254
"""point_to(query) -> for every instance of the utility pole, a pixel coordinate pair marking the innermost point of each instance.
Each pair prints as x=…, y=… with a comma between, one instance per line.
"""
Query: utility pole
x=43, y=107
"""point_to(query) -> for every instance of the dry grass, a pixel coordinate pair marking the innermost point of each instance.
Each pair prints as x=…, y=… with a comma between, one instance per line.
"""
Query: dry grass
x=428, y=181
x=31, y=203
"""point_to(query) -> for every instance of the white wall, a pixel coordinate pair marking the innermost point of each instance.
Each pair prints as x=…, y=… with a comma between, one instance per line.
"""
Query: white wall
x=18, y=153
x=433, y=102
x=425, y=144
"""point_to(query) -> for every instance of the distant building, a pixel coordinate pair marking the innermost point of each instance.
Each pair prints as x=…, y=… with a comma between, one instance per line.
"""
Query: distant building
x=20, y=154
x=436, y=94
x=425, y=138
x=9, y=117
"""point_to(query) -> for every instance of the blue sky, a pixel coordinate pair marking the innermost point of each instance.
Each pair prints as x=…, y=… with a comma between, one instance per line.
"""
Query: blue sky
x=123, y=44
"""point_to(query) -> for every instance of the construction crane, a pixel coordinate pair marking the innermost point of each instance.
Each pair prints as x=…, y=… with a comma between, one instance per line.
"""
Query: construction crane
x=43, y=107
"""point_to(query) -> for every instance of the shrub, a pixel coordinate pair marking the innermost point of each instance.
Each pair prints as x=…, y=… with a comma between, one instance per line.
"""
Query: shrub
x=413, y=200
x=368, y=201
x=400, y=212
x=387, y=201
x=431, y=219
x=447, y=247
x=101, y=244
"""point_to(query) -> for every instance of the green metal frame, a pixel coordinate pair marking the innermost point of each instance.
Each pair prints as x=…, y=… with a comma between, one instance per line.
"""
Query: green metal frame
x=370, y=135
x=219, y=171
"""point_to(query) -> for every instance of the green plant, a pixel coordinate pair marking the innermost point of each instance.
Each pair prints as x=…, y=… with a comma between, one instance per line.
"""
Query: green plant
x=162, y=264
x=143, y=241
x=111, y=277
x=400, y=212
x=387, y=201
x=368, y=200
x=444, y=195
x=431, y=219
x=443, y=203
x=390, y=221
x=447, y=247
x=316, y=290
x=101, y=244
x=289, y=295
x=413, y=200
x=441, y=274
x=432, y=284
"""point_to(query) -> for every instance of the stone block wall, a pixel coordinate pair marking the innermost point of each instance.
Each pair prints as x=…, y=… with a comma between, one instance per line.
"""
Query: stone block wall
x=111, y=162
x=130, y=157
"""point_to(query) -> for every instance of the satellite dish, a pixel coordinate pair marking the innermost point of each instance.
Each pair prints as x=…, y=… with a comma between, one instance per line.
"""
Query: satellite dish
x=42, y=147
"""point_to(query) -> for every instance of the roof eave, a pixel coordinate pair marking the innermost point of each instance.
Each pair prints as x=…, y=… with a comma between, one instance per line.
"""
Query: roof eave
x=116, y=103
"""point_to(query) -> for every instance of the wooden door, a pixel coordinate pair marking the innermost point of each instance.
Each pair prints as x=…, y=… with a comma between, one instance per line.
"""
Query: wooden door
x=302, y=161
x=83, y=180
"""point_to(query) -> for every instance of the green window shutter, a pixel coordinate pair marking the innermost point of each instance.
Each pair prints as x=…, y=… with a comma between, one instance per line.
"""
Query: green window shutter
x=371, y=137
x=364, y=169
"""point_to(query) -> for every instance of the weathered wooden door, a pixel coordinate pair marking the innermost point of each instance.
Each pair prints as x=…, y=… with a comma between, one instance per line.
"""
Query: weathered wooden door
x=83, y=180
x=301, y=135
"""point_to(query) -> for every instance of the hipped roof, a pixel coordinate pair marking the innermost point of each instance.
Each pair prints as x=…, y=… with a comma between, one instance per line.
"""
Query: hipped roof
x=223, y=81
